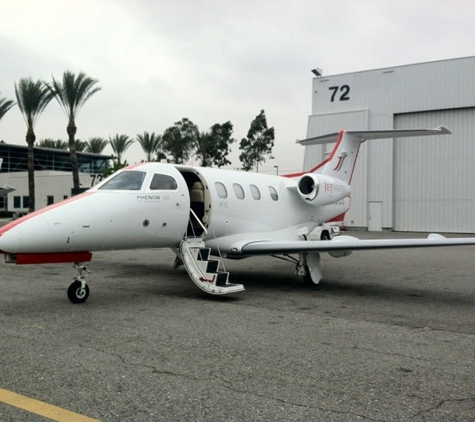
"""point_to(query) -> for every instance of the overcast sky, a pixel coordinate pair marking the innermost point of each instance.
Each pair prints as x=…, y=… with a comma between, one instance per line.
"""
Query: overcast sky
x=213, y=61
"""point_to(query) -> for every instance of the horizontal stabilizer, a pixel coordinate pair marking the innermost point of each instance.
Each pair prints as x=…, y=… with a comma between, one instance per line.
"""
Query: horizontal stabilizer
x=375, y=134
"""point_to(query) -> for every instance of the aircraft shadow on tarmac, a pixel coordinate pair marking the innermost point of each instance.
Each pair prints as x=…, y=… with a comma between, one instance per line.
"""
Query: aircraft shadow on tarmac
x=164, y=281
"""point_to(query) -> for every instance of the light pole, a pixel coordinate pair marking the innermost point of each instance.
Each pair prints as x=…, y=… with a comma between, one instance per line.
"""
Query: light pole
x=276, y=170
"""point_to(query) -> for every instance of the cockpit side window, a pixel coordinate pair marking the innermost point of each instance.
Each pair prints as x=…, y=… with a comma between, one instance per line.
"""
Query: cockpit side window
x=125, y=180
x=163, y=182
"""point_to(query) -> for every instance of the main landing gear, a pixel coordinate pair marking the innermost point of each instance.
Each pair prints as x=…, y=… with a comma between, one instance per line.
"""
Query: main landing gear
x=307, y=266
x=78, y=291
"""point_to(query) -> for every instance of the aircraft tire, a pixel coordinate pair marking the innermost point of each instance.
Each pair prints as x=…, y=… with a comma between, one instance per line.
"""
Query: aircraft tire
x=307, y=279
x=75, y=292
x=325, y=236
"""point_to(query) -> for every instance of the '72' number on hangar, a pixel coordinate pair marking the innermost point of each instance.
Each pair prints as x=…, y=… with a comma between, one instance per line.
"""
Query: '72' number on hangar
x=343, y=90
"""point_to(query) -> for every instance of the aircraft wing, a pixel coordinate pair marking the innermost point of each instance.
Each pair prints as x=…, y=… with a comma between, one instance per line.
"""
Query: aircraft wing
x=348, y=243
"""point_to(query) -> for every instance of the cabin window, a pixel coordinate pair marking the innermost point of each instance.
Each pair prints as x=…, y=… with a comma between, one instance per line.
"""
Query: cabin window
x=256, y=194
x=163, y=182
x=125, y=180
x=273, y=193
x=221, y=190
x=238, y=191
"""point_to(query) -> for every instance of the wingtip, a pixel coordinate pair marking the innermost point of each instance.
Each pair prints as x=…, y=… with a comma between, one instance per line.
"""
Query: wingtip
x=443, y=130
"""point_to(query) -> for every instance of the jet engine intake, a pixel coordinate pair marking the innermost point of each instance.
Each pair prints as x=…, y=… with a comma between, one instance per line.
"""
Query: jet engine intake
x=317, y=189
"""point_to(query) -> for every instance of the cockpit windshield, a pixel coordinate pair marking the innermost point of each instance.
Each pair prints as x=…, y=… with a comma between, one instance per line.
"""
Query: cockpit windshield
x=126, y=180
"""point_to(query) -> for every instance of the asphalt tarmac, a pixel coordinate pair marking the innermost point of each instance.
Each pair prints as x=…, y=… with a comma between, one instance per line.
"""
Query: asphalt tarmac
x=388, y=336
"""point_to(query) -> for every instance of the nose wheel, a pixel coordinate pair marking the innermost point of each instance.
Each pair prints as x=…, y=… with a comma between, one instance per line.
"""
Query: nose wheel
x=78, y=291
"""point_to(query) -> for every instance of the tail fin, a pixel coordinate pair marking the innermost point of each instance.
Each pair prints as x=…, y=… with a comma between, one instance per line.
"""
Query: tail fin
x=341, y=162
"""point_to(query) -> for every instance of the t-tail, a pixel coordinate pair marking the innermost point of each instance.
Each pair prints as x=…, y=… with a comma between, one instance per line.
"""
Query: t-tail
x=341, y=162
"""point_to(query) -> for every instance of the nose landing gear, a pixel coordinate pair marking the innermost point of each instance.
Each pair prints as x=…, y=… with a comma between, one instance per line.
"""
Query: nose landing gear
x=78, y=291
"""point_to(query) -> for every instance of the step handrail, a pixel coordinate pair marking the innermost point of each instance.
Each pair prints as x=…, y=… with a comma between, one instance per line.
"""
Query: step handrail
x=199, y=221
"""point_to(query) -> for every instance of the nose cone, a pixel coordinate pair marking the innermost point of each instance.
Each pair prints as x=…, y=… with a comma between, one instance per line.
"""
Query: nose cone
x=46, y=230
x=14, y=236
x=10, y=237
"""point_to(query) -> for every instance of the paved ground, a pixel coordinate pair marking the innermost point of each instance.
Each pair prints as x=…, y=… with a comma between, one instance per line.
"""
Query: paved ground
x=389, y=336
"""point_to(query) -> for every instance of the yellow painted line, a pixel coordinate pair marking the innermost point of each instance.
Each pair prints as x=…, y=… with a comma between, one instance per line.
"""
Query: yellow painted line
x=41, y=408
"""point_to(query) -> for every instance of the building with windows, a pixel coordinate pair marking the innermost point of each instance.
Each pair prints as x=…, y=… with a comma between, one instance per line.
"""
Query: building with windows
x=53, y=177
x=406, y=184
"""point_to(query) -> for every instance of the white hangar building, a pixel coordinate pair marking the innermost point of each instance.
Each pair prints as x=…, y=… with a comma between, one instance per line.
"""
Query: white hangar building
x=406, y=184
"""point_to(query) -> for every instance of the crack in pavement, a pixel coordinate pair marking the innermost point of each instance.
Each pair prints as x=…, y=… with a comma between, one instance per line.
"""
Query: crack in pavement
x=229, y=385
x=440, y=404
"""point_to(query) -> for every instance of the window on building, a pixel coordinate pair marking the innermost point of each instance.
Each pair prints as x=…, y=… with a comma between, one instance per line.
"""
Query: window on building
x=221, y=190
x=238, y=191
x=163, y=182
x=273, y=193
x=26, y=201
x=17, y=202
x=50, y=200
x=256, y=194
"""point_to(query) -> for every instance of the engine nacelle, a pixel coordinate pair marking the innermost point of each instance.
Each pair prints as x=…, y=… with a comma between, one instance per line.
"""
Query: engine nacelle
x=344, y=252
x=317, y=189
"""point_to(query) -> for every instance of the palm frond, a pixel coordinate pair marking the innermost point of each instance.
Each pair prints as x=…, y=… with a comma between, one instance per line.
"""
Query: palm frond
x=32, y=98
x=73, y=92
x=5, y=105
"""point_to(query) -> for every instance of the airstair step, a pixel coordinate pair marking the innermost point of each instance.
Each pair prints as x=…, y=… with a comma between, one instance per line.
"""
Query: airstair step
x=203, y=254
x=212, y=266
x=222, y=278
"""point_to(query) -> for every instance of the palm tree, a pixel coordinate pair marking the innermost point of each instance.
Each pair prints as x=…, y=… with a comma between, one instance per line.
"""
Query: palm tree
x=5, y=105
x=80, y=145
x=52, y=143
x=32, y=98
x=71, y=95
x=120, y=144
x=150, y=143
x=96, y=145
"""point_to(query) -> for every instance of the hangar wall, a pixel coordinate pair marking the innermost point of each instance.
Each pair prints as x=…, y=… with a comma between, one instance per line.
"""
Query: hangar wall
x=412, y=184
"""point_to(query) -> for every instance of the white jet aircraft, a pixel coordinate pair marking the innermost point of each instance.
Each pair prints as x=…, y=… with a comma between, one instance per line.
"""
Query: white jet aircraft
x=199, y=212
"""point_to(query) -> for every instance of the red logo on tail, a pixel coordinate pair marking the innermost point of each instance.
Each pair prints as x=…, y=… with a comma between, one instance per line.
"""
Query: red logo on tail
x=339, y=165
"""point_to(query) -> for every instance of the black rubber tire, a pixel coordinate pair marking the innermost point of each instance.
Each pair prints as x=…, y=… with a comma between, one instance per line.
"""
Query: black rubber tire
x=325, y=236
x=76, y=294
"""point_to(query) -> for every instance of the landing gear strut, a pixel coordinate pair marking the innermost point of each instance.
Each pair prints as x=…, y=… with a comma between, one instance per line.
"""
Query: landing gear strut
x=78, y=291
x=308, y=267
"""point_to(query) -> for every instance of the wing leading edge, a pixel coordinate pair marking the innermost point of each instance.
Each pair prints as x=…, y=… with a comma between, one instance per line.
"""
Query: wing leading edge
x=348, y=243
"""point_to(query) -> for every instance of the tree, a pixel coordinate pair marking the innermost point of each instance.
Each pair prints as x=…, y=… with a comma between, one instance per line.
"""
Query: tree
x=80, y=145
x=32, y=98
x=5, y=105
x=258, y=144
x=214, y=146
x=150, y=143
x=52, y=143
x=71, y=95
x=96, y=145
x=180, y=140
x=120, y=144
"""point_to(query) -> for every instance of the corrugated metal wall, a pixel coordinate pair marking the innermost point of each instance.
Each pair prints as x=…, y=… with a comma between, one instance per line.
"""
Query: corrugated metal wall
x=387, y=177
x=434, y=187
